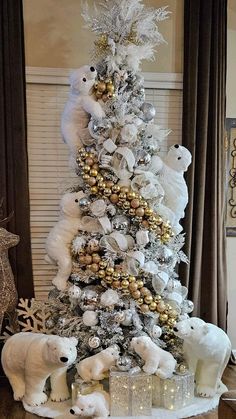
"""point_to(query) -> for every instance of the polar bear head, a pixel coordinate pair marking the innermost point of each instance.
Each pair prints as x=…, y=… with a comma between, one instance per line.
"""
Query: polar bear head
x=82, y=80
x=178, y=158
x=60, y=351
x=70, y=204
x=142, y=345
x=85, y=406
x=111, y=354
x=191, y=330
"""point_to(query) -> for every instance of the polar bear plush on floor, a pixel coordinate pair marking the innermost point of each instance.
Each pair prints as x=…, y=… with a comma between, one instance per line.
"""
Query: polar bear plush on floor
x=207, y=349
x=28, y=359
x=170, y=174
x=95, y=367
x=59, y=239
x=157, y=361
x=80, y=105
x=96, y=405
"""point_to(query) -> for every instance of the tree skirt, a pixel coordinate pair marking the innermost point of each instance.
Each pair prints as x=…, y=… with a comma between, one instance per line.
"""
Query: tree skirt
x=62, y=410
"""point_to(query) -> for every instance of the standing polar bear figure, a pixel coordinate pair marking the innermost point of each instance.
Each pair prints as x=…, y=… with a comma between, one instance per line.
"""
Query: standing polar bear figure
x=207, y=349
x=157, y=361
x=59, y=239
x=170, y=174
x=80, y=105
x=28, y=359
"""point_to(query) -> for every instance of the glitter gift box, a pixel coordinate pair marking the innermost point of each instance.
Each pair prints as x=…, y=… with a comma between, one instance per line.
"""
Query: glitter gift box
x=131, y=394
x=173, y=393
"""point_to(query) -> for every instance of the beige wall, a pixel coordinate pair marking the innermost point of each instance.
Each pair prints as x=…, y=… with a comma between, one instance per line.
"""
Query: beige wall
x=55, y=37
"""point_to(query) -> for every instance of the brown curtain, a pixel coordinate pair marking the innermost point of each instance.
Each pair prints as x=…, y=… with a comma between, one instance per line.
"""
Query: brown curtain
x=13, y=146
x=203, y=134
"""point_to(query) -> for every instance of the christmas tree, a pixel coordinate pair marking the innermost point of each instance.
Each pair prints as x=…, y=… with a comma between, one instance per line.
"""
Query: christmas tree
x=117, y=275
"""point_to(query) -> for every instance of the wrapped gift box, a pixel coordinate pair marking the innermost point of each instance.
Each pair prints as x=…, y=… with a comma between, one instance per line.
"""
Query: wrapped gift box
x=131, y=394
x=173, y=393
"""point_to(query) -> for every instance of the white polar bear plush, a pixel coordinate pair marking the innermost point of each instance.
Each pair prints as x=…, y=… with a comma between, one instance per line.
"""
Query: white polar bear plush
x=157, y=361
x=80, y=104
x=95, y=404
x=170, y=174
x=95, y=367
x=28, y=359
x=207, y=349
x=59, y=239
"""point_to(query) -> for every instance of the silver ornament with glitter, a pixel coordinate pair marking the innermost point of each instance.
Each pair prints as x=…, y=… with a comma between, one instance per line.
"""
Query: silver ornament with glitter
x=120, y=223
x=124, y=363
x=84, y=204
x=187, y=306
x=149, y=112
x=61, y=322
x=94, y=342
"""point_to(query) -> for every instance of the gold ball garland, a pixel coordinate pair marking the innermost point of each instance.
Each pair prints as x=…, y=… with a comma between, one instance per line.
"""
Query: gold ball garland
x=131, y=202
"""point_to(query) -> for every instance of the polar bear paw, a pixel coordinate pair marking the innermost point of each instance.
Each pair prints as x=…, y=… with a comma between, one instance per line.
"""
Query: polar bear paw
x=36, y=399
x=19, y=394
x=60, y=397
x=60, y=283
x=205, y=391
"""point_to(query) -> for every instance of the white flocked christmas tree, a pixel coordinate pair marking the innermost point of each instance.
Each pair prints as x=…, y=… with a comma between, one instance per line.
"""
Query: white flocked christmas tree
x=118, y=241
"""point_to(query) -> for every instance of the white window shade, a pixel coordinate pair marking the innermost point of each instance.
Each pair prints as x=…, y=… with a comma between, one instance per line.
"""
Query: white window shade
x=49, y=174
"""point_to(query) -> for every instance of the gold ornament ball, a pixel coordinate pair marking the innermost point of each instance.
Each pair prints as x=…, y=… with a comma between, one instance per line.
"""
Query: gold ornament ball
x=107, y=191
x=109, y=279
x=135, y=203
x=131, y=195
x=91, y=181
x=171, y=322
x=144, y=308
x=94, y=267
x=173, y=313
x=89, y=161
x=88, y=259
x=161, y=307
x=140, y=301
x=82, y=260
x=157, y=298
x=136, y=294
x=86, y=177
x=116, y=284
x=116, y=275
x=133, y=286
x=116, y=188
x=109, y=270
x=114, y=198
x=93, y=172
x=94, y=190
x=139, y=212
x=110, y=87
x=131, y=278
x=148, y=212
x=182, y=368
x=98, y=94
x=153, y=306
x=124, y=283
x=132, y=211
x=163, y=317
x=86, y=168
x=101, y=273
x=148, y=299
x=96, y=258
x=126, y=205
x=140, y=283
x=122, y=196
x=145, y=291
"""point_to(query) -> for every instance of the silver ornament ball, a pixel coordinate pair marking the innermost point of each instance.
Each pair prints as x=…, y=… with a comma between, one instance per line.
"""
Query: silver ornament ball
x=84, y=204
x=187, y=306
x=120, y=223
x=149, y=111
x=124, y=363
x=90, y=297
